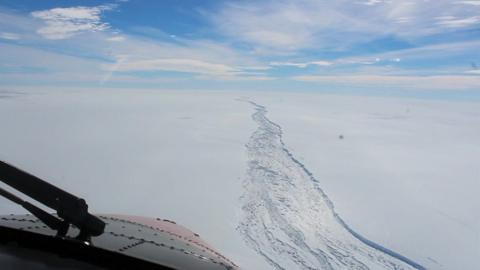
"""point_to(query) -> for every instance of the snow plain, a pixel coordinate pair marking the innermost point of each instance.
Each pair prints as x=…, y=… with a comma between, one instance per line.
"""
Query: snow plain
x=405, y=175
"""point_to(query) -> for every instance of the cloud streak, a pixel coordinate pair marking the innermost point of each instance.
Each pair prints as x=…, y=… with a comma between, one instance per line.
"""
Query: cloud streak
x=9, y=36
x=472, y=2
x=303, y=64
x=286, y=26
x=62, y=23
x=454, y=22
x=267, y=43
x=176, y=64
x=448, y=82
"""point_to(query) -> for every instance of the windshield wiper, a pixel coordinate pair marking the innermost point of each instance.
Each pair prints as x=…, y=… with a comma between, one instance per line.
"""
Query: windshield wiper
x=70, y=209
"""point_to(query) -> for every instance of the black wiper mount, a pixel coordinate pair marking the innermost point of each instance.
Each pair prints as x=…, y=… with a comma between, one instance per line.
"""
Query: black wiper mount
x=70, y=209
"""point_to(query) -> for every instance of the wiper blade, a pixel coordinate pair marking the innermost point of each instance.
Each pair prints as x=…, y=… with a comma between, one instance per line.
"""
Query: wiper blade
x=49, y=220
x=71, y=209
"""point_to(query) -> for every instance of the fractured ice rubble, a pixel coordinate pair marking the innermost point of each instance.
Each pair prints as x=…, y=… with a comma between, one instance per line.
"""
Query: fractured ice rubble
x=290, y=221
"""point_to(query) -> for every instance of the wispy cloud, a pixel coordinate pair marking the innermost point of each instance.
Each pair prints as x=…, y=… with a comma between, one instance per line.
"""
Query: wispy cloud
x=372, y=2
x=61, y=23
x=342, y=42
x=303, y=64
x=9, y=36
x=286, y=26
x=454, y=22
x=176, y=64
x=116, y=38
x=361, y=61
x=471, y=2
x=473, y=71
x=275, y=25
x=452, y=82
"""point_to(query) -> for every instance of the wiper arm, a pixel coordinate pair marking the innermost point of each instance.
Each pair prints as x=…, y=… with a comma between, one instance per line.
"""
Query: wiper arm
x=71, y=209
x=49, y=220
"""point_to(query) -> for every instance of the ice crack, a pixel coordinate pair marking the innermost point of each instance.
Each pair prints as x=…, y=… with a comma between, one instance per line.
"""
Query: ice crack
x=290, y=221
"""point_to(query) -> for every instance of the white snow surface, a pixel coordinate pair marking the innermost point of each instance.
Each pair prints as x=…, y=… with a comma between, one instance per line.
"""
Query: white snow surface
x=405, y=175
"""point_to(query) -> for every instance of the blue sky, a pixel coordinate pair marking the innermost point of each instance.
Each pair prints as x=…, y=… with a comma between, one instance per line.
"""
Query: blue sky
x=359, y=46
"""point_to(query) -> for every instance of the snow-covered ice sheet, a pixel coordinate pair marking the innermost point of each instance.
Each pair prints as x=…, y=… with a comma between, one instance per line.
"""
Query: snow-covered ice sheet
x=405, y=175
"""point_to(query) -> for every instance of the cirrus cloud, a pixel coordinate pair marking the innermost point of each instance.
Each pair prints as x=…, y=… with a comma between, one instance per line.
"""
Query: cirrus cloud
x=9, y=36
x=175, y=64
x=435, y=82
x=454, y=22
x=291, y=26
x=303, y=64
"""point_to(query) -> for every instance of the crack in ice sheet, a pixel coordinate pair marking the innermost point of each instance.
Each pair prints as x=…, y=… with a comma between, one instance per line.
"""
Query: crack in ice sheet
x=290, y=221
